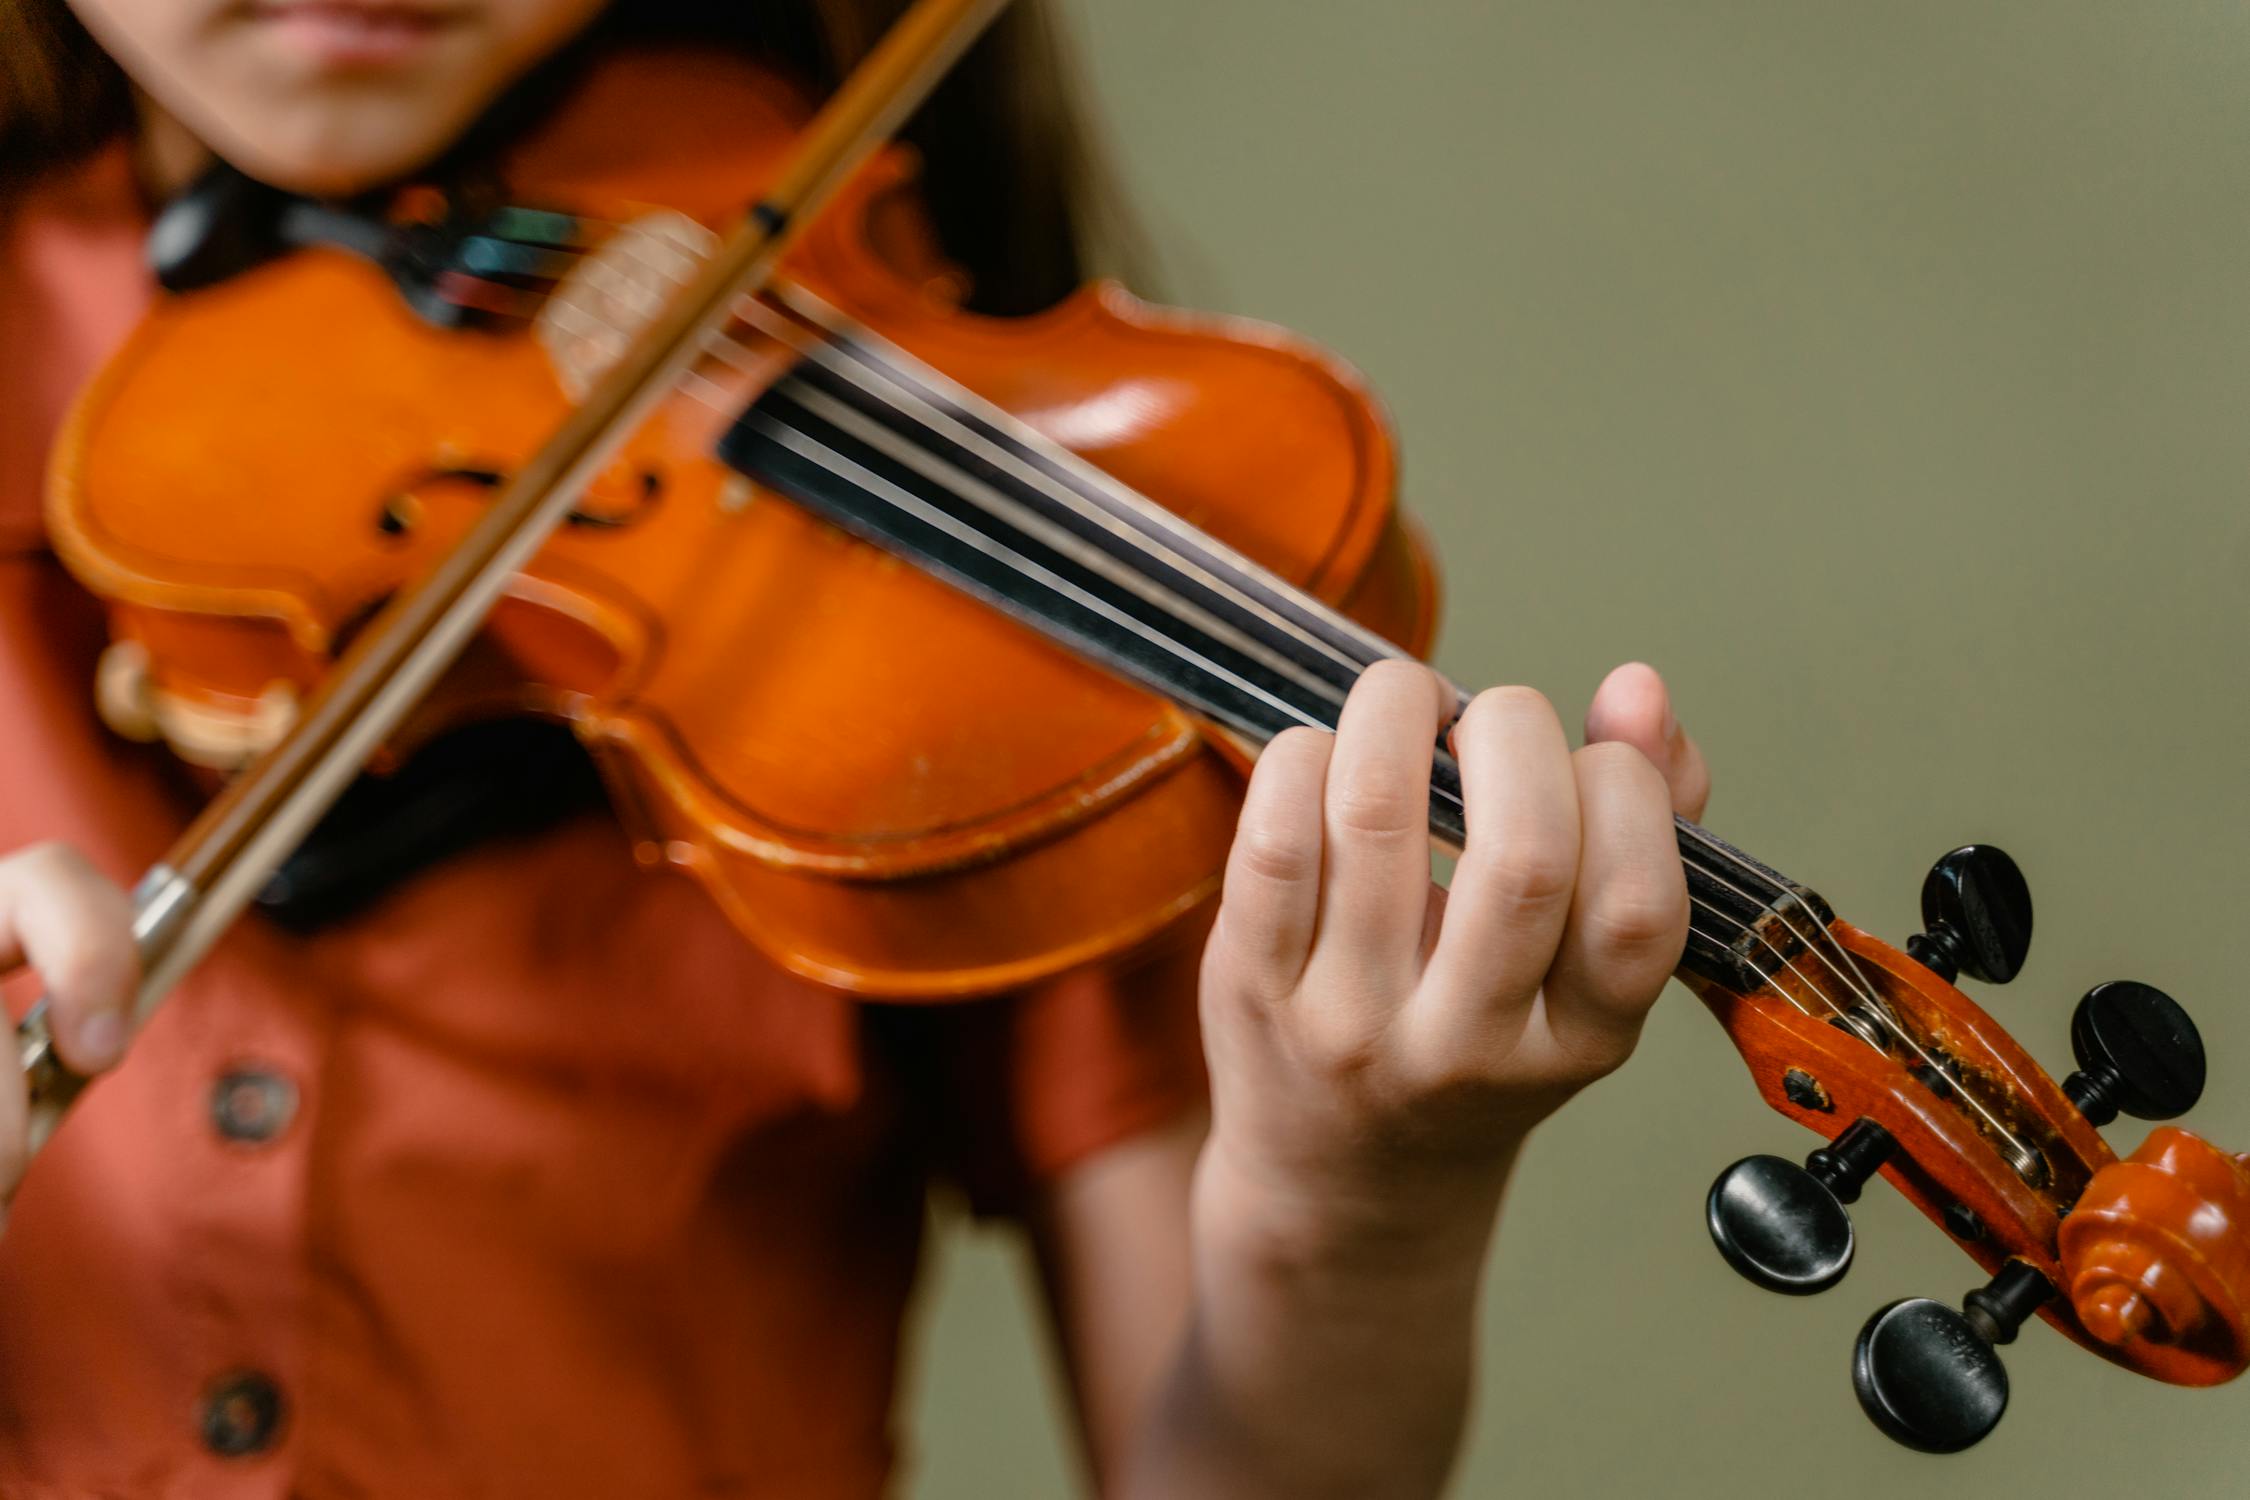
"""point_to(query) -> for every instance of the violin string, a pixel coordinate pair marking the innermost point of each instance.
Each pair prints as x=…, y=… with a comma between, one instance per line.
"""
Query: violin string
x=816, y=452
x=691, y=245
x=1753, y=930
x=994, y=503
x=1780, y=903
x=814, y=348
x=1783, y=900
x=770, y=322
x=1861, y=989
x=830, y=351
x=767, y=319
x=708, y=391
x=1744, y=927
x=2025, y=1156
x=741, y=358
x=730, y=353
x=589, y=324
x=858, y=361
x=1815, y=936
x=831, y=354
x=2015, y=1144
x=1786, y=896
x=718, y=398
x=1330, y=686
x=1084, y=490
x=819, y=453
x=1168, y=601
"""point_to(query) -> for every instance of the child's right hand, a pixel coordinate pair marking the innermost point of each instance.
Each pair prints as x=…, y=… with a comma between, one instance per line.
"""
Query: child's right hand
x=74, y=927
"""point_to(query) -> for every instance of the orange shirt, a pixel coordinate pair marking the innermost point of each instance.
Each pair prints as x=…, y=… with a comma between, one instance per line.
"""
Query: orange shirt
x=533, y=1179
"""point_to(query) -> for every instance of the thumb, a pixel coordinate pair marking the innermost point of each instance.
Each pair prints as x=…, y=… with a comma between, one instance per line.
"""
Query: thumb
x=75, y=929
x=1634, y=706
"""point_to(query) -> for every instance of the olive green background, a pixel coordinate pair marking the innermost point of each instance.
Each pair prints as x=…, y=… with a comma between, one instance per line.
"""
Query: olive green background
x=1878, y=371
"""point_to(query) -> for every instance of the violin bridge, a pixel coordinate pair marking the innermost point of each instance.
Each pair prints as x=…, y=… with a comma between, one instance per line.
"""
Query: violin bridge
x=611, y=294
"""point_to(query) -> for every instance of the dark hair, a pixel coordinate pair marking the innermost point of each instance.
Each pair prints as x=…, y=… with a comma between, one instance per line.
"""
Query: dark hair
x=60, y=95
x=1011, y=178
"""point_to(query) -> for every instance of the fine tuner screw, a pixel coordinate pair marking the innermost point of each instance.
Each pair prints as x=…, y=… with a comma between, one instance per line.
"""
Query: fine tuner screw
x=1930, y=1377
x=1976, y=907
x=1784, y=1227
x=2138, y=1054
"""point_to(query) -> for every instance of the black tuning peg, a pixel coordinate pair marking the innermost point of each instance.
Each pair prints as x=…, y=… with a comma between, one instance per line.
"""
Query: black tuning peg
x=1977, y=909
x=1930, y=1377
x=2138, y=1053
x=1783, y=1226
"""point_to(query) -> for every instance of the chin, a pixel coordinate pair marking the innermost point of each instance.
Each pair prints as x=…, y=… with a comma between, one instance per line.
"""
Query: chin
x=332, y=157
x=317, y=179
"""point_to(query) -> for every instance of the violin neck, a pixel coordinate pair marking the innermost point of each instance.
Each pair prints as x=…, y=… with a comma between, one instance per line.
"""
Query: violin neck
x=874, y=441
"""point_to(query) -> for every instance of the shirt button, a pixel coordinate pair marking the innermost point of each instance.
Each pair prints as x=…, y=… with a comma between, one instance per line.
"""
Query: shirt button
x=252, y=1105
x=241, y=1415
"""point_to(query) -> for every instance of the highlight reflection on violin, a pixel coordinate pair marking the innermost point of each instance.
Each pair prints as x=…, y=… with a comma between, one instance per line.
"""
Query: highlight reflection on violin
x=511, y=374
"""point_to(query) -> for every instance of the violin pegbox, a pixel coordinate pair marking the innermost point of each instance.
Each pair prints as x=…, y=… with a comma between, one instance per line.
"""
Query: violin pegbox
x=2146, y=1262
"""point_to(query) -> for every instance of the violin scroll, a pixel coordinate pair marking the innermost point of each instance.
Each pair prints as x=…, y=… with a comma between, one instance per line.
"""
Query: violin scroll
x=2156, y=1258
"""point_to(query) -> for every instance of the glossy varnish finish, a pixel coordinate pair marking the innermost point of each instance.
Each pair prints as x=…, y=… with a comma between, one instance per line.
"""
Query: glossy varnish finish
x=883, y=784
x=2156, y=1257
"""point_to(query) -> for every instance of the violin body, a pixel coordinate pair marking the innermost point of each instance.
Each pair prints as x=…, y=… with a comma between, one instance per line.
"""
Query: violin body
x=888, y=787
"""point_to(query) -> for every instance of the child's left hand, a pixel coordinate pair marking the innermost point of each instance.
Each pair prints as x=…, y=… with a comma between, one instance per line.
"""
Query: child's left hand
x=1378, y=1047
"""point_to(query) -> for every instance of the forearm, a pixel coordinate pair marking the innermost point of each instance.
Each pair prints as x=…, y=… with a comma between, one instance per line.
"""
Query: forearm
x=1327, y=1351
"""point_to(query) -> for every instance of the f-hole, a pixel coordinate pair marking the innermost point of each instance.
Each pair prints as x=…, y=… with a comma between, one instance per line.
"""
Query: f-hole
x=634, y=497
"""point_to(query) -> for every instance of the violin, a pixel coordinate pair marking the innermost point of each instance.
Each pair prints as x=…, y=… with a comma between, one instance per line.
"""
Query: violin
x=934, y=645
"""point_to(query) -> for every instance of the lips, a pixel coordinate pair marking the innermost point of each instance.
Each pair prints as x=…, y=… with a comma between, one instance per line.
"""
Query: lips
x=356, y=33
